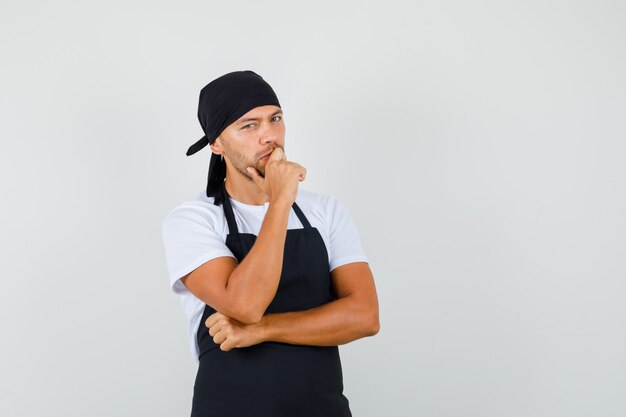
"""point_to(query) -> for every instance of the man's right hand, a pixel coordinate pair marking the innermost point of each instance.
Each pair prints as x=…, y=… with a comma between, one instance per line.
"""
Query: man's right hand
x=281, y=177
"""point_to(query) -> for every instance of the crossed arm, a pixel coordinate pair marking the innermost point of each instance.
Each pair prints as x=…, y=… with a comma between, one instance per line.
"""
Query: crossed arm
x=353, y=315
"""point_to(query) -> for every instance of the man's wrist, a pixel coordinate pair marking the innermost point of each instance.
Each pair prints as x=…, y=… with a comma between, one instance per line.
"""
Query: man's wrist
x=281, y=201
x=264, y=328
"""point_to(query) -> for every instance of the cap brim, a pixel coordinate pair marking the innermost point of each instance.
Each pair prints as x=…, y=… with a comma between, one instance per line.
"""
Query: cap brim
x=204, y=141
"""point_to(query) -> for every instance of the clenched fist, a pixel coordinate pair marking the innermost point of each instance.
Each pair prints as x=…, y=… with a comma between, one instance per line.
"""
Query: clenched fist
x=230, y=333
x=281, y=176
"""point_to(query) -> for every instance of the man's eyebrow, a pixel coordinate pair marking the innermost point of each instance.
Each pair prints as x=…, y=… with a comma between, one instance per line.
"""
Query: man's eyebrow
x=254, y=119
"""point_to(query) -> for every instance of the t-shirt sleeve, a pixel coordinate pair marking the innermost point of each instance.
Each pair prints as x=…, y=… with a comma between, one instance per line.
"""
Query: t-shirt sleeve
x=345, y=242
x=190, y=239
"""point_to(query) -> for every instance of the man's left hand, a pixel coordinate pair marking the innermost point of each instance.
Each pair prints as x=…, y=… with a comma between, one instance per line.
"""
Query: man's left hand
x=230, y=333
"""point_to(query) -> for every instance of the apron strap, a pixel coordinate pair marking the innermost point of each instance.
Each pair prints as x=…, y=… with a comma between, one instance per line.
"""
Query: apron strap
x=228, y=211
x=301, y=216
x=230, y=216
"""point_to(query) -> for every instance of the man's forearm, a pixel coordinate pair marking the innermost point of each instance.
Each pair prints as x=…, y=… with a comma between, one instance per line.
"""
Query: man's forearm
x=255, y=280
x=335, y=323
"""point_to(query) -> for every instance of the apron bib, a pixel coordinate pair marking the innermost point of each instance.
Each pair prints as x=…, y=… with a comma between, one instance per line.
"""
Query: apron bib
x=274, y=379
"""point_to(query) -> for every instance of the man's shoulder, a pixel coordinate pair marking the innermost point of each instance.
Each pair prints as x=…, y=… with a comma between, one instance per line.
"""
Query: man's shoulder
x=326, y=206
x=314, y=199
x=200, y=210
x=308, y=195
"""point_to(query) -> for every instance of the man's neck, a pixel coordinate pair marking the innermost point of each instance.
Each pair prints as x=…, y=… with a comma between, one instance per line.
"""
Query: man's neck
x=244, y=190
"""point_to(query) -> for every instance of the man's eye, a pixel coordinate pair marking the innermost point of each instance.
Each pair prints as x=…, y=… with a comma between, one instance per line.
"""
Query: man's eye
x=252, y=124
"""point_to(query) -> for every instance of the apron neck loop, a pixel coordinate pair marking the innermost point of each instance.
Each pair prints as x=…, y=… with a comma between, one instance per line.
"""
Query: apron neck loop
x=230, y=215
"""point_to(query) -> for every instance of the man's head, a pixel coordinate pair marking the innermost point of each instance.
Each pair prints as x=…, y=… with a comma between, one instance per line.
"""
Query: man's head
x=225, y=101
x=246, y=141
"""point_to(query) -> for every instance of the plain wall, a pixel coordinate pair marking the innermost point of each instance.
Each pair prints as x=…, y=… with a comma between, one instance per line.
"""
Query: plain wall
x=478, y=146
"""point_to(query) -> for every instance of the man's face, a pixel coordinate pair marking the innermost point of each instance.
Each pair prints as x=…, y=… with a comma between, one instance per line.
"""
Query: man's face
x=245, y=141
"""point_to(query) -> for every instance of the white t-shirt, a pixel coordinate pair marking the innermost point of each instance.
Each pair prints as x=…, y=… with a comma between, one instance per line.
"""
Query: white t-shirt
x=195, y=232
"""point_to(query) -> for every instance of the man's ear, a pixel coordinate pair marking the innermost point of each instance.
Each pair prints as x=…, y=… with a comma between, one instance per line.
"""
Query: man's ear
x=216, y=146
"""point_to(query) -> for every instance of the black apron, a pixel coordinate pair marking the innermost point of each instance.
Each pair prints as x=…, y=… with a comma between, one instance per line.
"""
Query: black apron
x=274, y=379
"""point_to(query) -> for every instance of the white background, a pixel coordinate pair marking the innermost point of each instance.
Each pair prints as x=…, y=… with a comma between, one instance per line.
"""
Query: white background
x=478, y=145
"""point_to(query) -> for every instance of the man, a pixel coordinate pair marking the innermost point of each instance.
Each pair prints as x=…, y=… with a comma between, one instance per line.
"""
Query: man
x=272, y=277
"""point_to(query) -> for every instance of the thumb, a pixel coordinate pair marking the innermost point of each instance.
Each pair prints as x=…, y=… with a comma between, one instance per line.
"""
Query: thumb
x=278, y=154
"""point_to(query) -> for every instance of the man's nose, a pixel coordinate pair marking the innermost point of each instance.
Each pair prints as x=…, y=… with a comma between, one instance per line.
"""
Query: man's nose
x=269, y=134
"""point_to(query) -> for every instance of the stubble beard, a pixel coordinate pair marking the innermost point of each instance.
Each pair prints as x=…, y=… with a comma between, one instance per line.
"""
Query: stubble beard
x=240, y=164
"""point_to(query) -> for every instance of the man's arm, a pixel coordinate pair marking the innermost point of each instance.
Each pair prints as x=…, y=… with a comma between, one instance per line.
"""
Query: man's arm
x=243, y=291
x=352, y=316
